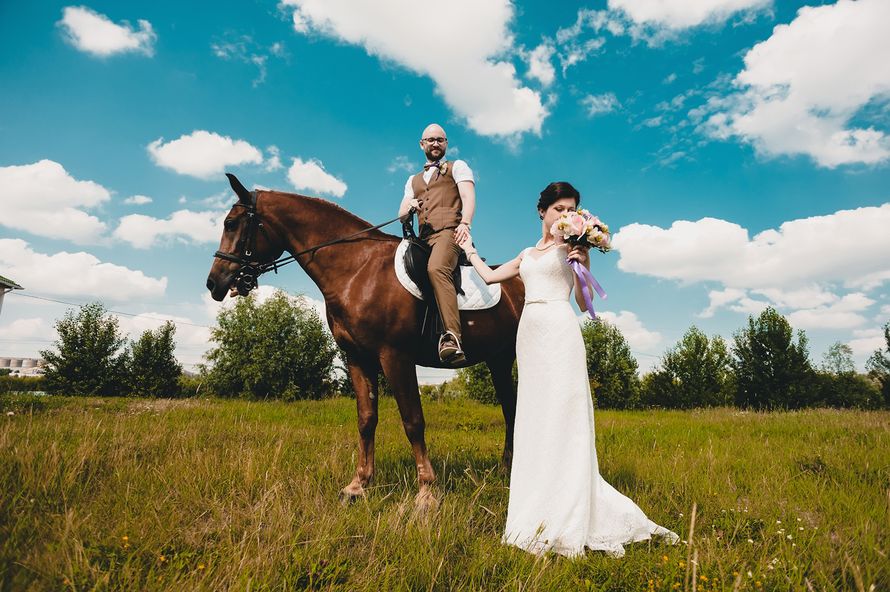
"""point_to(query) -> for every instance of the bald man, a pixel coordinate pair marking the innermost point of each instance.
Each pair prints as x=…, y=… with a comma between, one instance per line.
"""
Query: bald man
x=444, y=196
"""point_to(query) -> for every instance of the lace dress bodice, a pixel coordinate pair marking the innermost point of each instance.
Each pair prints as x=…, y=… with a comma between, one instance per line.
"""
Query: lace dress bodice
x=546, y=276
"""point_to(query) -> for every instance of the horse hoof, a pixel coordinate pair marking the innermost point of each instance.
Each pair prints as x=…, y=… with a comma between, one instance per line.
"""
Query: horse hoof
x=425, y=503
x=351, y=493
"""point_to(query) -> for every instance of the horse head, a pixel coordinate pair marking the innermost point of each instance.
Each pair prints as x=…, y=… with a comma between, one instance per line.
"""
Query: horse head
x=246, y=246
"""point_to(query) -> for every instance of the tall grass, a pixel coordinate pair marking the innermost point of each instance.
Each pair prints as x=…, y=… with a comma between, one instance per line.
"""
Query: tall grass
x=114, y=494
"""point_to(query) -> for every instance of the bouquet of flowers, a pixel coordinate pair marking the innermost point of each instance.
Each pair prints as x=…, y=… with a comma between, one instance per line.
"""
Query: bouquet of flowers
x=581, y=228
x=584, y=229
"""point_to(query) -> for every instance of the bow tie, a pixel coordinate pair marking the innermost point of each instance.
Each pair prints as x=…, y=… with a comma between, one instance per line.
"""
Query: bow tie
x=439, y=165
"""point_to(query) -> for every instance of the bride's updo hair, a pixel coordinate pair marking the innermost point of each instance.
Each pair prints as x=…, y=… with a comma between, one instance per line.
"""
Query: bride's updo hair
x=557, y=190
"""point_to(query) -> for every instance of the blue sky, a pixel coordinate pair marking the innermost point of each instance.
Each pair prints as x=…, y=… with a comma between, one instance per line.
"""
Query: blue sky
x=738, y=147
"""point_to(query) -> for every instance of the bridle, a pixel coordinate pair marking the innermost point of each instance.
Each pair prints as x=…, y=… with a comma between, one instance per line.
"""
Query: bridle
x=250, y=270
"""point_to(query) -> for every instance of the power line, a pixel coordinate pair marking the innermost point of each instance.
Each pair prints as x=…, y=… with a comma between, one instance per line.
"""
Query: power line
x=127, y=314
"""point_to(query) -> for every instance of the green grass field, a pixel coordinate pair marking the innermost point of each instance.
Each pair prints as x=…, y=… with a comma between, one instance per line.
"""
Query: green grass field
x=124, y=494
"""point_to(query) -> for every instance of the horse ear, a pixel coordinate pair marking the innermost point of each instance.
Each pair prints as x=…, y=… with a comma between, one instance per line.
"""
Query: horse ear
x=238, y=188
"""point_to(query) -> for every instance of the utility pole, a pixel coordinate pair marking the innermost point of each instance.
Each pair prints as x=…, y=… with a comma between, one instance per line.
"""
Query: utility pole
x=6, y=285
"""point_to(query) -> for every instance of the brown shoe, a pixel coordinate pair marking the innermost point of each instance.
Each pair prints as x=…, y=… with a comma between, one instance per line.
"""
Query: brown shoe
x=449, y=349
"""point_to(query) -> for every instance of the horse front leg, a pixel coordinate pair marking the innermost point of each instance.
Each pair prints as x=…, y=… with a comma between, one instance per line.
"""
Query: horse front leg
x=502, y=379
x=401, y=374
x=364, y=381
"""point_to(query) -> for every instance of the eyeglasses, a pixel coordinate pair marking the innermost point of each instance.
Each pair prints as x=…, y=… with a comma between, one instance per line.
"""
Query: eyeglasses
x=435, y=140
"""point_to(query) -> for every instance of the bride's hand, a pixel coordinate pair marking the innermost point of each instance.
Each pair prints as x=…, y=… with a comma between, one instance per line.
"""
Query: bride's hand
x=580, y=254
x=467, y=244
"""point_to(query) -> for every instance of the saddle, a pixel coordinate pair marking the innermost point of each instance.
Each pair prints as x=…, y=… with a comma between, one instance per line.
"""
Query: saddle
x=417, y=257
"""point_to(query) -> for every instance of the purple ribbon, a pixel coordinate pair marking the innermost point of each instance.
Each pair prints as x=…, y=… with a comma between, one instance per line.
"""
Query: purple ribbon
x=588, y=286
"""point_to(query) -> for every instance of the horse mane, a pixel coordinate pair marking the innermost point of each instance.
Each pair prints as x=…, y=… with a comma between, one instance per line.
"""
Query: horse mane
x=339, y=211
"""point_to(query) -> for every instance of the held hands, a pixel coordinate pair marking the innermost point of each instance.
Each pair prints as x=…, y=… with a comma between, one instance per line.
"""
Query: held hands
x=581, y=255
x=466, y=243
x=461, y=233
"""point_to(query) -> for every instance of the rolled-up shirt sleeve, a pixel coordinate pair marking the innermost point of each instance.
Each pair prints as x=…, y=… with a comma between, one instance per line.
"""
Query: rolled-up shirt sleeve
x=461, y=171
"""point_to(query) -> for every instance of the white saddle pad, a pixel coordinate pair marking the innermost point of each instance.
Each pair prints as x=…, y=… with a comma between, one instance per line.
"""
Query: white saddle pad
x=477, y=295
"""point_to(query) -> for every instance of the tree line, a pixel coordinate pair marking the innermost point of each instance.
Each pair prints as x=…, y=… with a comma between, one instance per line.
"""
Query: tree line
x=280, y=349
x=766, y=366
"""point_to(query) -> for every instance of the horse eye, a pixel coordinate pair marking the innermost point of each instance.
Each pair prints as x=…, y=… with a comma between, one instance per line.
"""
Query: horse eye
x=229, y=224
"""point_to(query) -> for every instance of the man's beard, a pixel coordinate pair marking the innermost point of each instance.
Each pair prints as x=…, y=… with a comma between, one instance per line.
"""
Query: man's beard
x=431, y=158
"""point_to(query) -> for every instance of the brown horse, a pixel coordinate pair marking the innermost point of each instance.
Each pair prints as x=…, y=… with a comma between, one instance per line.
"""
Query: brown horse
x=375, y=321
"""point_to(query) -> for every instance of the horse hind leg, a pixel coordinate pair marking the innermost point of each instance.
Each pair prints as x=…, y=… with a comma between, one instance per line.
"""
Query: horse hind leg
x=502, y=379
x=401, y=375
x=364, y=381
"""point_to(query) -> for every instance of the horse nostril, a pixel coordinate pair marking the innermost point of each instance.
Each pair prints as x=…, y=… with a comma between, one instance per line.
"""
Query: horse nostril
x=210, y=284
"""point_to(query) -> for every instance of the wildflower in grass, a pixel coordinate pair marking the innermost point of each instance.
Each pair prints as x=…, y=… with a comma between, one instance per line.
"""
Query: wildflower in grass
x=758, y=584
x=162, y=559
x=200, y=566
x=664, y=558
x=703, y=578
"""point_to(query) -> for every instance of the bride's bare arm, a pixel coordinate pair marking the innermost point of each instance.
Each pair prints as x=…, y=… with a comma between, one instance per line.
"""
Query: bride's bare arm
x=504, y=272
x=581, y=255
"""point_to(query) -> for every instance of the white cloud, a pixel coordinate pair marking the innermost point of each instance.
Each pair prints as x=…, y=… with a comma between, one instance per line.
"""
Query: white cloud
x=670, y=78
x=96, y=34
x=75, y=274
x=144, y=232
x=841, y=314
x=44, y=199
x=801, y=88
x=310, y=175
x=600, y=104
x=682, y=14
x=720, y=298
x=638, y=337
x=865, y=341
x=847, y=247
x=467, y=61
x=203, y=154
x=28, y=329
x=273, y=163
x=540, y=64
x=799, y=268
x=243, y=48
x=403, y=163
x=138, y=200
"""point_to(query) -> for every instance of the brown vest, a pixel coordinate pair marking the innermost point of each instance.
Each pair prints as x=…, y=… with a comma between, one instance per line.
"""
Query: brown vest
x=440, y=200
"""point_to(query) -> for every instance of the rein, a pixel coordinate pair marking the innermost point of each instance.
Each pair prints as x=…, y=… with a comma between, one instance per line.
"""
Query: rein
x=247, y=274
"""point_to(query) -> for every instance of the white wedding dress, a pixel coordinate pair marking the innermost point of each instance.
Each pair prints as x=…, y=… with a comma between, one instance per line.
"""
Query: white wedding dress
x=558, y=500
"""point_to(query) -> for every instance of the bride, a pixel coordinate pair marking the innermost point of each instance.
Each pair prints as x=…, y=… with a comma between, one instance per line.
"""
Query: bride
x=558, y=500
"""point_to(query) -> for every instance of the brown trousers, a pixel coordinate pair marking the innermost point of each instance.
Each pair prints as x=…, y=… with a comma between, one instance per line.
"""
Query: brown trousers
x=443, y=260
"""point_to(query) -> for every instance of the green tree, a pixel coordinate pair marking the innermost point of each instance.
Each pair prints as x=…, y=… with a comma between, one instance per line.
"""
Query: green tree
x=878, y=366
x=838, y=359
x=771, y=370
x=152, y=369
x=694, y=373
x=475, y=382
x=277, y=349
x=90, y=358
x=611, y=367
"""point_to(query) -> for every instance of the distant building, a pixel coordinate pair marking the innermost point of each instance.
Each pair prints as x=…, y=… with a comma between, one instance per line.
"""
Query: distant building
x=22, y=366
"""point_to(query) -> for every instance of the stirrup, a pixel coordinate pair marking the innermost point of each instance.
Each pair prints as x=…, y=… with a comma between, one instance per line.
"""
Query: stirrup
x=452, y=354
